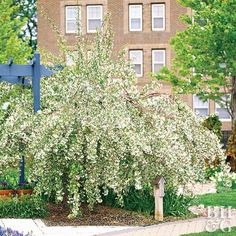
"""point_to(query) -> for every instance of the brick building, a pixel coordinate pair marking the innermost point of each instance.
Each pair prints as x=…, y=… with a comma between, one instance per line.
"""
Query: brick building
x=143, y=26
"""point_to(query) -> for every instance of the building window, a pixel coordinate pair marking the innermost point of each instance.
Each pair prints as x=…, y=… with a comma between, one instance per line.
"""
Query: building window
x=71, y=58
x=136, y=57
x=73, y=19
x=135, y=17
x=94, y=18
x=158, y=60
x=158, y=17
x=200, y=108
x=221, y=111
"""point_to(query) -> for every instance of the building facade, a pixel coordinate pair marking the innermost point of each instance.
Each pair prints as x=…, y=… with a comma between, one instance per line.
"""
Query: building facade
x=144, y=27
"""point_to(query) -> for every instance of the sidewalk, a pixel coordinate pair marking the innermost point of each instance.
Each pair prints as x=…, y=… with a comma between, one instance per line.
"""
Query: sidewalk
x=38, y=228
x=169, y=229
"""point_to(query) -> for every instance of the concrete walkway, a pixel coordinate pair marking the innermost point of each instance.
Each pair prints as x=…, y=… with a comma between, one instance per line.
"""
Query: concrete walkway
x=173, y=229
x=38, y=228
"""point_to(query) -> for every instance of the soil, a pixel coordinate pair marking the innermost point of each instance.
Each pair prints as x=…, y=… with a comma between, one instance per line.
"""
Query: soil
x=101, y=216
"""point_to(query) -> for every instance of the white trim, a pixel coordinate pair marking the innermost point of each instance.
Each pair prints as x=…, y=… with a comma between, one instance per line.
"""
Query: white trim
x=66, y=9
x=141, y=18
x=141, y=63
x=93, y=6
x=164, y=17
x=153, y=61
x=224, y=120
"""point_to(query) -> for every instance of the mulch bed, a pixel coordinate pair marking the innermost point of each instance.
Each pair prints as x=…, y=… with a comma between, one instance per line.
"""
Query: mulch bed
x=101, y=216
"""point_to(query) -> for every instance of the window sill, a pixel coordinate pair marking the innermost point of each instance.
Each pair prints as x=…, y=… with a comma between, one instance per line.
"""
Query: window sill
x=158, y=30
x=135, y=31
x=225, y=120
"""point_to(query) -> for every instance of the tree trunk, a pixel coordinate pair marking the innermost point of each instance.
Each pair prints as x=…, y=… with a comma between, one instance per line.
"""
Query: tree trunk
x=233, y=99
x=65, y=186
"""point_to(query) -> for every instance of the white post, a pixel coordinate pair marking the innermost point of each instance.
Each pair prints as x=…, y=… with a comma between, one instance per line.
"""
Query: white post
x=158, y=187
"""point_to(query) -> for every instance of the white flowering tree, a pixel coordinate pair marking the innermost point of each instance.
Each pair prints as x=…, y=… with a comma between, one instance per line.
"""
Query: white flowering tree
x=97, y=131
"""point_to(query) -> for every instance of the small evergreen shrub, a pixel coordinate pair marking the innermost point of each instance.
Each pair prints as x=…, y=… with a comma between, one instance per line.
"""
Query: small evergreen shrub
x=214, y=124
x=26, y=206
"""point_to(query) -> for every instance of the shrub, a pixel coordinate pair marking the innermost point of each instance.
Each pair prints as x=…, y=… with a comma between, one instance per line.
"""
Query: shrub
x=5, y=185
x=212, y=171
x=214, y=124
x=231, y=149
x=224, y=181
x=133, y=200
x=176, y=204
x=143, y=201
x=97, y=128
x=26, y=206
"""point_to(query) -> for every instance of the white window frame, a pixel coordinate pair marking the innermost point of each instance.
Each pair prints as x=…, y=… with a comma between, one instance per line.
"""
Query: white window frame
x=164, y=17
x=195, y=107
x=218, y=106
x=66, y=19
x=141, y=18
x=93, y=6
x=153, y=61
x=141, y=63
x=71, y=58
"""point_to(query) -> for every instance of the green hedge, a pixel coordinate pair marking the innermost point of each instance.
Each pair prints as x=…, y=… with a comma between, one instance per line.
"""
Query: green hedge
x=27, y=206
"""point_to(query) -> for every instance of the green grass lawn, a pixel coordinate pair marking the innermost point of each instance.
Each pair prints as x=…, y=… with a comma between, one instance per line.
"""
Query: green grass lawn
x=217, y=233
x=218, y=199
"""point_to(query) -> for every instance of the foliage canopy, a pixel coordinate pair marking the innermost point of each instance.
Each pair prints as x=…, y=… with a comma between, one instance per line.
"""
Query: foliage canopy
x=205, y=53
x=11, y=45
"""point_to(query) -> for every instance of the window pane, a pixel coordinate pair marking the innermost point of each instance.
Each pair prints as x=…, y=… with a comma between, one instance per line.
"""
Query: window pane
x=136, y=57
x=135, y=24
x=197, y=103
x=94, y=12
x=94, y=16
x=158, y=10
x=200, y=108
x=94, y=24
x=72, y=12
x=135, y=17
x=137, y=68
x=159, y=56
x=201, y=112
x=158, y=23
x=223, y=113
x=135, y=11
x=72, y=18
x=72, y=26
x=220, y=108
x=157, y=68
